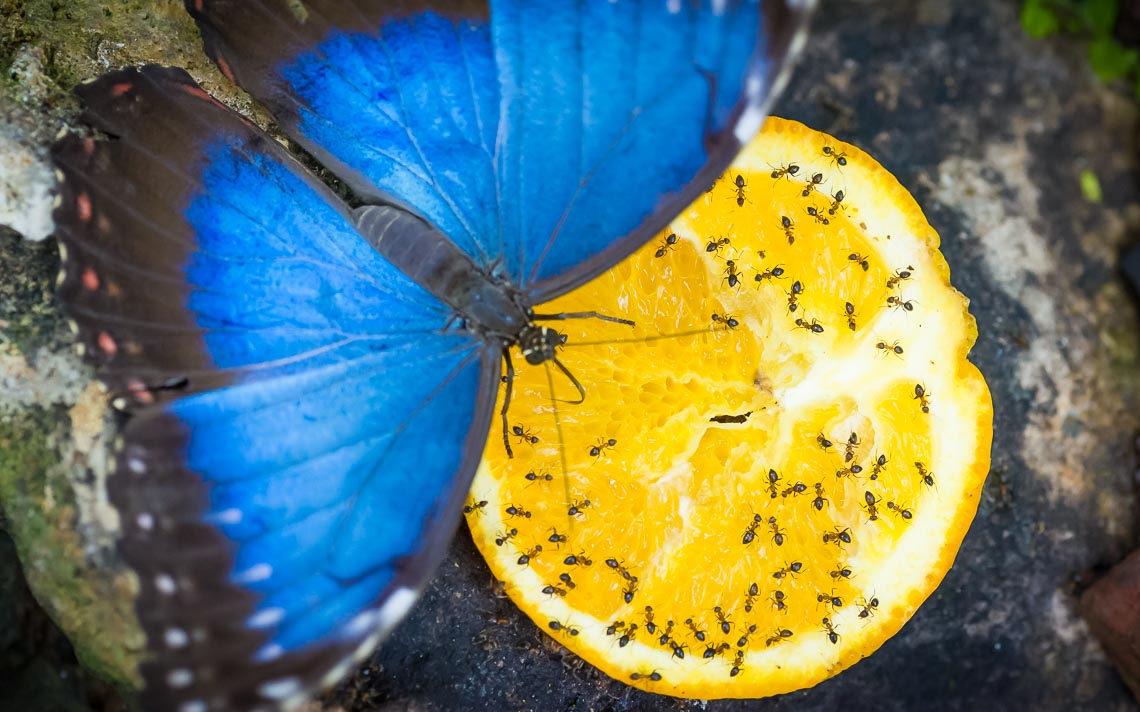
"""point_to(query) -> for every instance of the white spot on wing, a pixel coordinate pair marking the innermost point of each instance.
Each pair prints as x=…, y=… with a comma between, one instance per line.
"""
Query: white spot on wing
x=266, y=618
x=180, y=677
x=176, y=638
x=267, y=653
x=280, y=689
x=228, y=516
x=193, y=706
x=340, y=670
x=255, y=573
x=164, y=584
x=396, y=607
x=145, y=521
x=673, y=6
x=750, y=122
x=136, y=465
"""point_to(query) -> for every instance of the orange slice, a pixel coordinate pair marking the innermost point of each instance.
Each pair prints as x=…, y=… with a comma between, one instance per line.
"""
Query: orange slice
x=775, y=467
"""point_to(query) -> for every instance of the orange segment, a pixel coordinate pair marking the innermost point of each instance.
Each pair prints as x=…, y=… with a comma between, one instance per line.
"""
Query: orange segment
x=773, y=469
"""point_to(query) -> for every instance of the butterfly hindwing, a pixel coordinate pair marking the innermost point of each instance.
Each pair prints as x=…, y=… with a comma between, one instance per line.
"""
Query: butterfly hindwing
x=294, y=395
x=548, y=138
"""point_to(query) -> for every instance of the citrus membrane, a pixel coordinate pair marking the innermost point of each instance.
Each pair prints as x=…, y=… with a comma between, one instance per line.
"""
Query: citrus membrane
x=776, y=465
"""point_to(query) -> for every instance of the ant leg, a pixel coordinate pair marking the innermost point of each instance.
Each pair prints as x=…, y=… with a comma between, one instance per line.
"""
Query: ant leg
x=583, y=315
x=507, y=402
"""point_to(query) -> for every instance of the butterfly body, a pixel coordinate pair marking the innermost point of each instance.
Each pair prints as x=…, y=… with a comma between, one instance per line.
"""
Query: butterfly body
x=283, y=356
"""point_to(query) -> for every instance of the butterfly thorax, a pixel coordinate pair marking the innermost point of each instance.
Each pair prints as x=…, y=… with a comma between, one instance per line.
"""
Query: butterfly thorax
x=491, y=307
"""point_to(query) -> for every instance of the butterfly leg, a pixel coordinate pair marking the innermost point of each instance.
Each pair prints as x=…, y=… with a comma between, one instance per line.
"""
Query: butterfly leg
x=510, y=381
x=584, y=315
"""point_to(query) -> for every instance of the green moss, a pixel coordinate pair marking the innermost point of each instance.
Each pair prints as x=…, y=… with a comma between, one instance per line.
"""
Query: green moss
x=91, y=604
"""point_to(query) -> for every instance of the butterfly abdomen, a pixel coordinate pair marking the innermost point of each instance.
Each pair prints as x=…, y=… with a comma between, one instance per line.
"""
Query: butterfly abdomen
x=426, y=255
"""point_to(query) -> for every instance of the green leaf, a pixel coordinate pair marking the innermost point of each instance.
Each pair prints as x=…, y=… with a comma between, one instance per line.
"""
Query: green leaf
x=1110, y=60
x=1090, y=186
x=1038, y=19
x=1100, y=15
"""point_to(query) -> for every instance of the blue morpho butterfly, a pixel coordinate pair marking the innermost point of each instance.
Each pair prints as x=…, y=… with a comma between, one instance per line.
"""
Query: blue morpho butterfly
x=312, y=381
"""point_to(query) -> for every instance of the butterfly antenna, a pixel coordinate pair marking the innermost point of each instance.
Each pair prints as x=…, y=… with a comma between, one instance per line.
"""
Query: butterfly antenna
x=583, y=315
x=561, y=441
x=642, y=339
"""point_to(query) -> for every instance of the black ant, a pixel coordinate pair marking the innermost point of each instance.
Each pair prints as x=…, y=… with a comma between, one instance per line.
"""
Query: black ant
x=577, y=506
x=900, y=510
x=731, y=274
x=797, y=290
x=777, y=535
x=899, y=276
x=562, y=628
x=795, y=490
x=722, y=618
x=892, y=347
x=629, y=634
x=629, y=591
x=711, y=651
x=667, y=634
x=849, y=312
x=789, y=229
x=714, y=245
x=773, y=482
x=823, y=442
x=878, y=466
x=852, y=471
x=750, y=530
x=836, y=156
x=922, y=397
x=737, y=664
x=603, y=445
x=867, y=608
x=840, y=571
x=552, y=590
x=678, y=649
x=667, y=245
x=579, y=559
x=789, y=170
x=836, y=202
x=651, y=676
x=860, y=259
x=899, y=303
x=778, y=601
x=743, y=641
x=830, y=599
x=830, y=629
x=740, y=186
x=556, y=538
x=849, y=448
x=810, y=185
x=565, y=578
x=514, y=510
x=869, y=503
x=818, y=216
x=474, y=506
x=728, y=322
x=503, y=538
x=524, y=435
x=529, y=554
x=789, y=570
x=926, y=475
x=773, y=273
x=779, y=635
x=753, y=592
x=820, y=501
x=649, y=624
x=533, y=476
x=839, y=537
x=813, y=326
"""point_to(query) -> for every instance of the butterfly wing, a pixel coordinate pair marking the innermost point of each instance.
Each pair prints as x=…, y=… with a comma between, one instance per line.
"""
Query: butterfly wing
x=551, y=138
x=305, y=426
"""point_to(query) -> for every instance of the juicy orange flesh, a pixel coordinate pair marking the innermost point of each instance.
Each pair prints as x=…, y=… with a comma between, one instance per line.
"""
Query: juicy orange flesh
x=742, y=508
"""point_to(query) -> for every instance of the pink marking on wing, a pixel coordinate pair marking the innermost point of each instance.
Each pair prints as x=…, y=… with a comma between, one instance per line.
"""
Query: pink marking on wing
x=90, y=279
x=83, y=205
x=107, y=344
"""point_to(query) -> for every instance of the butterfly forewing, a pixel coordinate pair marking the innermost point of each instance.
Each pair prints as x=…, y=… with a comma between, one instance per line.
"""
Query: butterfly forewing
x=321, y=400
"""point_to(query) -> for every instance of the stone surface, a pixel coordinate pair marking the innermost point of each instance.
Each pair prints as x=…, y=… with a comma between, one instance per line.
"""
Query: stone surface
x=1112, y=608
x=989, y=129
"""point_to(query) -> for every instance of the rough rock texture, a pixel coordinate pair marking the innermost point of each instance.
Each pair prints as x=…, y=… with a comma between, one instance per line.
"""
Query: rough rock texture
x=989, y=129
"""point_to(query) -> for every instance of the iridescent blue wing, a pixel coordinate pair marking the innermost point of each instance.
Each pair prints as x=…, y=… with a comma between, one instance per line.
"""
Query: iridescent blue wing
x=305, y=424
x=546, y=138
